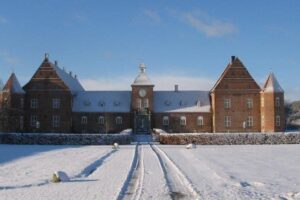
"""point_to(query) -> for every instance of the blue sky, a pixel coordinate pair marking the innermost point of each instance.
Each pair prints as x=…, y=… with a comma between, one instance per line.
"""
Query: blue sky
x=185, y=42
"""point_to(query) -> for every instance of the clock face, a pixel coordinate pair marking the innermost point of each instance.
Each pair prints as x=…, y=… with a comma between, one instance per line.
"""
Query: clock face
x=142, y=92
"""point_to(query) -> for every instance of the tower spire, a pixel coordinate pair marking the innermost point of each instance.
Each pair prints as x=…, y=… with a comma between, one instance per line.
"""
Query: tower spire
x=142, y=68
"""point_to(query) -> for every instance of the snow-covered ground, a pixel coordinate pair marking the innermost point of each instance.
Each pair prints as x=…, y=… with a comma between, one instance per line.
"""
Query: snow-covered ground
x=151, y=172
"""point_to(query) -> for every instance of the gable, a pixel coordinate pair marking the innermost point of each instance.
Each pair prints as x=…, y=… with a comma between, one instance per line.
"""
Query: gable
x=50, y=77
x=236, y=77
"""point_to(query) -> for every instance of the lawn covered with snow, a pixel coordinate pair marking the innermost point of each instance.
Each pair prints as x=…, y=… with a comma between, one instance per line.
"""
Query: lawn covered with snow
x=150, y=172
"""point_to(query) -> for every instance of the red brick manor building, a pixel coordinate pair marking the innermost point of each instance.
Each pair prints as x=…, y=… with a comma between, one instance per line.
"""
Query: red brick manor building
x=54, y=101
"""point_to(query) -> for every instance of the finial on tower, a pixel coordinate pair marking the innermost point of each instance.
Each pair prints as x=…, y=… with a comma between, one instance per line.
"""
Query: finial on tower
x=143, y=67
x=46, y=56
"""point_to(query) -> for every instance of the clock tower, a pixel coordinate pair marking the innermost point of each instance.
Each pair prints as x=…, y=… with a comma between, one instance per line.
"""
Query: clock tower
x=142, y=102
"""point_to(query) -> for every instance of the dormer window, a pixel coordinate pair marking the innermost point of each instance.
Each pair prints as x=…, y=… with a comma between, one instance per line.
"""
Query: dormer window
x=167, y=102
x=87, y=103
x=117, y=103
x=101, y=103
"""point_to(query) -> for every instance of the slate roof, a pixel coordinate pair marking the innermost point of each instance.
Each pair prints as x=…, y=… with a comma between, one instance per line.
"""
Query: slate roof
x=272, y=85
x=181, y=101
x=72, y=83
x=102, y=101
x=13, y=85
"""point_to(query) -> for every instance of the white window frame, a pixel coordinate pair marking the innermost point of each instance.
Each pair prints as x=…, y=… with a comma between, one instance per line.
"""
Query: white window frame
x=146, y=103
x=278, y=120
x=249, y=103
x=34, y=103
x=55, y=121
x=84, y=120
x=101, y=120
x=165, y=120
x=200, y=121
x=33, y=120
x=183, y=121
x=139, y=103
x=56, y=103
x=277, y=101
x=119, y=120
x=227, y=121
x=249, y=122
x=227, y=103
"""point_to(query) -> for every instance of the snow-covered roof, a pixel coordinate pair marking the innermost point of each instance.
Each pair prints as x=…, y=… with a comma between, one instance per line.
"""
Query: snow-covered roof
x=72, y=82
x=272, y=84
x=102, y=101
x=13, y=85
x=181, y=101
x=142, y=78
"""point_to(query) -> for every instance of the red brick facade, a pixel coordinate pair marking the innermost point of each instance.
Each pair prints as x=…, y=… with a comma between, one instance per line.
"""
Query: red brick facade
x=237, y=104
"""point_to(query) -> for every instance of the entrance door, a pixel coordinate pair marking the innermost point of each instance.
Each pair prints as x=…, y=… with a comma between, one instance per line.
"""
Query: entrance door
x=142, y=124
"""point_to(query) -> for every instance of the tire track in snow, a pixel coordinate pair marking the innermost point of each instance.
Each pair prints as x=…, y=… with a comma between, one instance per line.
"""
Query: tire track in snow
x=132, y=187
x=180, y=187
x=88, y=170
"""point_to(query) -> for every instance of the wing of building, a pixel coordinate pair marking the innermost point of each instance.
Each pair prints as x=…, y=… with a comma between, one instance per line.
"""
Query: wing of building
x=54, y=101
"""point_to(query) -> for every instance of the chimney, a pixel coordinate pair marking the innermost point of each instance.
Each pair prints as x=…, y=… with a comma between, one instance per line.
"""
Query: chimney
x=75, y=76
x=232, y=59
x=56, y=63
x=70, y=73
x=176, y=88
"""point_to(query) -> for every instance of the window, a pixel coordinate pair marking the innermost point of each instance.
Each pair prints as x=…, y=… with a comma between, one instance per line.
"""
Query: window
x=84, y=120
x=277, y=102
x=139, y=103
x=262, y=102
x=249, y=103
x=101, y=120
x=55, y=121
x=34, y=103
x=146, y=103
x=119, y=120
x=22, y=102
x=227, y=103
x=227, y=121
x=21, y=122
x=55, y=103
x=166, y=121
x=277, y=120
x=33, y=120
x=200, y=121
x=182, y=120
x=249, y=121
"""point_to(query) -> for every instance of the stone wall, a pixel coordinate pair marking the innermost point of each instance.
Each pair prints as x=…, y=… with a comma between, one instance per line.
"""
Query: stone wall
x=64, y=139
x=229, y=138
